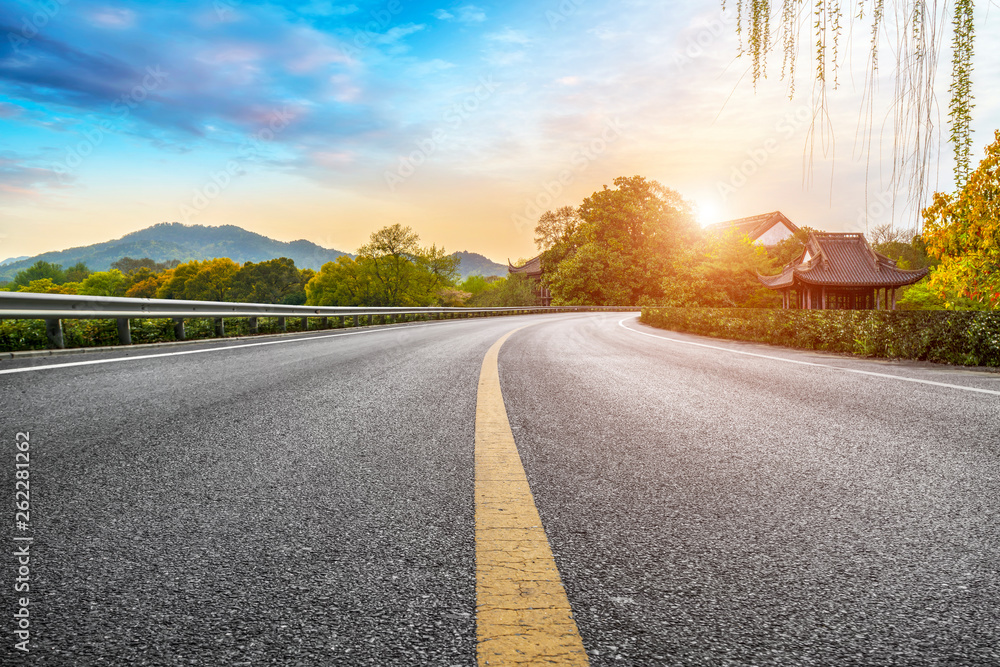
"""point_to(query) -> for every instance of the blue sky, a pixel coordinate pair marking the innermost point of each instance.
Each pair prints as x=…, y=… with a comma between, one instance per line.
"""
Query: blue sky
x=465, y=121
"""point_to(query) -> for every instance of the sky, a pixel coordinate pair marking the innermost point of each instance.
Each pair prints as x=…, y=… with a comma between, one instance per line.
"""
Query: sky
x=327, y=121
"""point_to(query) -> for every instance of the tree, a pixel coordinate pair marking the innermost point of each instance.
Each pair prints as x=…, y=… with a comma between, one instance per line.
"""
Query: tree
x=128, y=265
x=963, y=232
x=553, y=227
x=514, y=290
x=104, y=283
x=40, y=270
x=391, y=270
x=344, y=282
x=214, y=280
x=918, y=29
x=273, y=281
x=143, y=289
x=391, y=253
x=436, y=274
x=48, y=286
x=174, y=284
x=77, y=273
x=623, y=248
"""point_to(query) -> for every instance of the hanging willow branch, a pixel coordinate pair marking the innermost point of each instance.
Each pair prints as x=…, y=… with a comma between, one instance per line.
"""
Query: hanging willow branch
x=917, y=26
x=960, y=108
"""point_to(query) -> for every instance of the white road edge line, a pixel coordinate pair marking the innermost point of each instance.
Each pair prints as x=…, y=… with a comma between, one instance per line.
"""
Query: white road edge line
x=621, y=323
x=92, y=362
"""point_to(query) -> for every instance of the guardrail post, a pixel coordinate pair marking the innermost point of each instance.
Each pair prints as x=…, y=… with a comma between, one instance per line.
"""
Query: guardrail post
x=324, y=323
x=283, y=323
x=254, y=326
x=124, y=331
x=305, y=324
x=220, y=327
x=179, y=332
x=54, y=330
x=357, y=320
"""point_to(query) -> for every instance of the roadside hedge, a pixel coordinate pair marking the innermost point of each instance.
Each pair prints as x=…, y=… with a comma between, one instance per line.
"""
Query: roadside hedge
x=968, y=338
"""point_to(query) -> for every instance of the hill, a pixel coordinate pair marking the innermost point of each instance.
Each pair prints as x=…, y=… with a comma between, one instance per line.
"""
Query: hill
x=173, y=240
x=474, y=264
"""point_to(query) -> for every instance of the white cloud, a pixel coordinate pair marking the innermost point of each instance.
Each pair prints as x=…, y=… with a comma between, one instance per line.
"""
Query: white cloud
x=471, y=14
x=109, y=17
x=327, y=8
x=443, y=15
x=509, y=36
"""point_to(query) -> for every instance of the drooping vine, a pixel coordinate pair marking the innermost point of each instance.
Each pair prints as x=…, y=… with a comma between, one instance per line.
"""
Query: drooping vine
x=917, y=27
x=960, y=108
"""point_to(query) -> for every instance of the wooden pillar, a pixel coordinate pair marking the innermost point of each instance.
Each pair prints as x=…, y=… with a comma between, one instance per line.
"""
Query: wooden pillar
x=893, y=299
x=823, y=297
x=809, y=300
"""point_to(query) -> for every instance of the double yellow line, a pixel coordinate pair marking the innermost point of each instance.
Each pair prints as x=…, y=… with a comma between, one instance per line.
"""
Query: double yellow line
x=522, y=614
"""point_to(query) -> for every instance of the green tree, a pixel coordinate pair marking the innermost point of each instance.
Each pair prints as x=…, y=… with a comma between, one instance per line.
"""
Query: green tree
x=214, y=280
x=391, y=255
x=104, y=283
x=963, y=232
x=514, y=290
x=48, y=286
x=474, y=284
x=623, y=248
x=273, y=281
x=129, y=265
x=77, y=273
x=40, y=270
x=344, y=282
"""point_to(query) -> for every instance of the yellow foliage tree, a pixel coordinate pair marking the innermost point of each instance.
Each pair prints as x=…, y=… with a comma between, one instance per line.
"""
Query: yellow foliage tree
x=963, y=231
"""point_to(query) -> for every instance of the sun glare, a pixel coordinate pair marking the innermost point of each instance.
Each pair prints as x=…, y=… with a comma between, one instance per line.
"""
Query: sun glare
x=707, y=212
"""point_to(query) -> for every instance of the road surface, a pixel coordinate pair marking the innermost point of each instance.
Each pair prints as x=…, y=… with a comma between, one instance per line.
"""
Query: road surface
x=312, y=500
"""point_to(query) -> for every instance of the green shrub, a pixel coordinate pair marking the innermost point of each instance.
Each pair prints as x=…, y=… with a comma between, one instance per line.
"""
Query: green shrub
x=970, y=338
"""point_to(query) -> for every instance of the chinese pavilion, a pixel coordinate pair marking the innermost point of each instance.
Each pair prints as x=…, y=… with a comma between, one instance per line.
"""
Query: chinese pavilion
x=841, y=272
x=533, y=270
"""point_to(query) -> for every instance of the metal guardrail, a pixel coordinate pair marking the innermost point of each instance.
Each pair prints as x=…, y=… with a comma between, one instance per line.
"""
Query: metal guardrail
x=53, y=308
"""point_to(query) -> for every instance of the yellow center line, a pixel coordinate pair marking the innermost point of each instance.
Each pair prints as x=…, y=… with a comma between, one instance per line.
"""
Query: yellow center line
x=522, y=614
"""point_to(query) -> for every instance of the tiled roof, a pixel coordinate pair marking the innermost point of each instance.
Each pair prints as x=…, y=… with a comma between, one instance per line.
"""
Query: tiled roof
x=533, y=267
x=753, y=226
x=842, y=260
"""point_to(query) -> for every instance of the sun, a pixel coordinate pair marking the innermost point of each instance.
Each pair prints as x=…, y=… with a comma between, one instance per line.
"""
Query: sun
x=707, y=211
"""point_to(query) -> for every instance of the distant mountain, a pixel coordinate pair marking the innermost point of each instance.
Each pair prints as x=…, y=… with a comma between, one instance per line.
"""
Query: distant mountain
x=173, y=240
x=11, y=260
x=474, y=264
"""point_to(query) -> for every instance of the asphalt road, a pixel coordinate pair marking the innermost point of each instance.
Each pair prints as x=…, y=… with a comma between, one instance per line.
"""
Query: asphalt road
x=311, y=501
